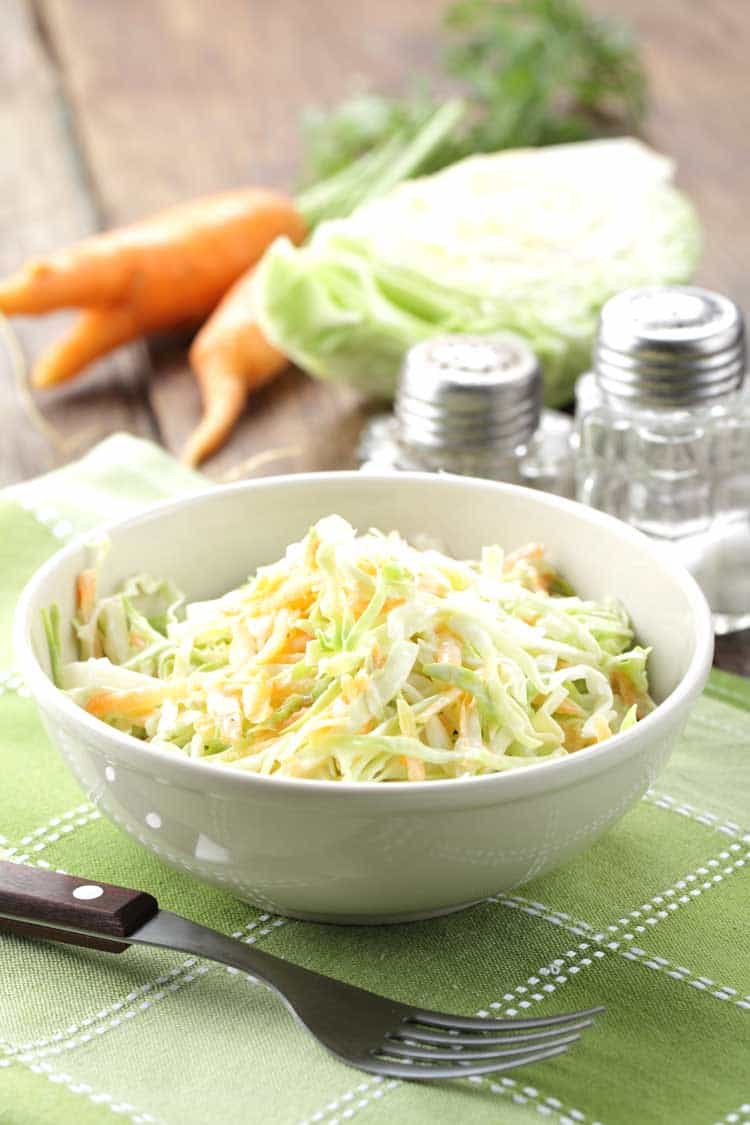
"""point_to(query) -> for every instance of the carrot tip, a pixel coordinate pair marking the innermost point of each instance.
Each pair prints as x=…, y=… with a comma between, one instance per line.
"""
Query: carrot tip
x=203, y=441
x=224, y=396
x=42, y=376
x=192, y=454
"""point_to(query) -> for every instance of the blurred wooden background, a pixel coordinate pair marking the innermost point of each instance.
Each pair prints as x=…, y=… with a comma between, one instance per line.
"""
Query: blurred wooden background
x=113, y=108
x=109, y=110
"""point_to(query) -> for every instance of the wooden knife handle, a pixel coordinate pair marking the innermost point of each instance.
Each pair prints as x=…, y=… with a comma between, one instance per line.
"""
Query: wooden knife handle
x=45, y=899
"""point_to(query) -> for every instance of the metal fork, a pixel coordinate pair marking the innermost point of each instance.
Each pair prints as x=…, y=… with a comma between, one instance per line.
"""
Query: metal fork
x=360, y=1028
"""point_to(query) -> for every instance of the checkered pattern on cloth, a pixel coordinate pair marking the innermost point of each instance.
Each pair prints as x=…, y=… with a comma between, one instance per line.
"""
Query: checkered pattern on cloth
x=653, y=921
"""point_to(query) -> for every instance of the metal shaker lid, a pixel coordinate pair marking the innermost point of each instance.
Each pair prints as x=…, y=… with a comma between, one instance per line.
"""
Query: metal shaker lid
x=469, y=394
x=669, y=346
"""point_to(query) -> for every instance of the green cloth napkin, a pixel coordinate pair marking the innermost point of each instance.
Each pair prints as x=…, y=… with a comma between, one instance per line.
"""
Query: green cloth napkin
x=653, y=921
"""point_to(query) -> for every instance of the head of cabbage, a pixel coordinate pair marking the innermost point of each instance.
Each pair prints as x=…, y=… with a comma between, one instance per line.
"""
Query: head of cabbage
x=533, y=241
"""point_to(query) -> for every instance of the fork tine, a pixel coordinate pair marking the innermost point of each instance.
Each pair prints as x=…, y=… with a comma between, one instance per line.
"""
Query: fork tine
x=445, y=1038
x=390, y=1069
x=404, y=1050
x=476, y=1023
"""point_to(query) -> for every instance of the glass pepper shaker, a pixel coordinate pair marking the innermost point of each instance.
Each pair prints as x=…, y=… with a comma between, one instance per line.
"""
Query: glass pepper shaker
x=663, y=434
x=472, y=405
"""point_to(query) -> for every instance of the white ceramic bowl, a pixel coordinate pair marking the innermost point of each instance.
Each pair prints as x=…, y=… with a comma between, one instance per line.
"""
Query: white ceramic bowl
x=372, y=852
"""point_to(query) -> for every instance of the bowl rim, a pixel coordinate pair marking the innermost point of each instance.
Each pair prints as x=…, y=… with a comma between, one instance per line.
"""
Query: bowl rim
x=552, y=774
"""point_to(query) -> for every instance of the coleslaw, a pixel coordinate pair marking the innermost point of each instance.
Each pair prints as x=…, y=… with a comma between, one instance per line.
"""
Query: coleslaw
x=360, y=657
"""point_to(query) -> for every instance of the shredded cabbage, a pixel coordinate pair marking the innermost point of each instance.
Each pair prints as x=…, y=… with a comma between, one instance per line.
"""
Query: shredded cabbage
x=362, y=658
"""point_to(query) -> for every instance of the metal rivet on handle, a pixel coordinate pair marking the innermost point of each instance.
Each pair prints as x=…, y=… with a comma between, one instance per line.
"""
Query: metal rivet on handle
x=88, y=891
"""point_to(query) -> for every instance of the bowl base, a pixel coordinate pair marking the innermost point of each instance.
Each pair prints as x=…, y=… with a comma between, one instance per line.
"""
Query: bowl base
x=367, y=919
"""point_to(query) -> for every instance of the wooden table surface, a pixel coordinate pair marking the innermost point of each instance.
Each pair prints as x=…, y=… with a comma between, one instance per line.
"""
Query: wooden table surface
x=110, y=110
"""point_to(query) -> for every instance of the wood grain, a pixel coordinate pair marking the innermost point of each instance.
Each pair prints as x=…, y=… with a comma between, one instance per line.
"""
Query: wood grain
x=44, y=203
x=696, y=54
x=175, y=99
x=733, y=653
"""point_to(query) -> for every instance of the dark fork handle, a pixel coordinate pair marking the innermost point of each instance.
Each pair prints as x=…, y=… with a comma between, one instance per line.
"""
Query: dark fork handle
x=33, y=901
x=68, y=937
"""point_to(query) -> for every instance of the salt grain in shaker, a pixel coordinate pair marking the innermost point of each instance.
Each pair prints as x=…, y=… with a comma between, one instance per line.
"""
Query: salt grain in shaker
x=663, y=431
x=472, y=405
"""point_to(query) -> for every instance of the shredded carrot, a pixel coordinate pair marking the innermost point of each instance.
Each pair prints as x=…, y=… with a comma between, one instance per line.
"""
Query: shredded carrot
x=297, y=643
x=86, y=592
x=449, y=651
x=573, y=739
x=278, y=692
x=265, y=583
x=529, y=551
x=622, y=685
x=359, y=607
x=565, y=707
x=300, y=602
x=293, y=718
x=431, y=585
x=544, y=580
x=299, y=598
x=353, y=686
x=415, y=769
x=347, y=688
x=130, y=704
x=568, y=707
x=311, y=550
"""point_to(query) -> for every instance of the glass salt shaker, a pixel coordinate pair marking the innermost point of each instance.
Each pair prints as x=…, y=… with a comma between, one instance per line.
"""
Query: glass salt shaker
x=663, y=434
x=472, y=405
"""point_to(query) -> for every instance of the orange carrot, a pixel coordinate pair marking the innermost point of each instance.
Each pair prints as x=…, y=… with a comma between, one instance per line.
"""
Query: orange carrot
x=530, y=551
x=94, y=333
x=415, y=768
x=198, y=249
x=565, y=707
x=127, y=704
x=230, y=357
x=169, y=269
x=86, y=592
x=623, y=686
x=568, y=707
